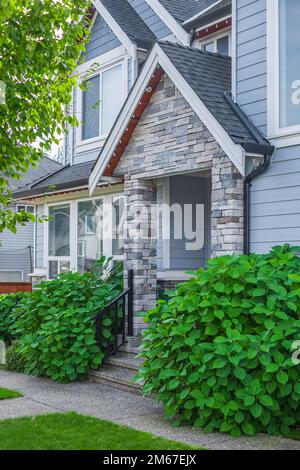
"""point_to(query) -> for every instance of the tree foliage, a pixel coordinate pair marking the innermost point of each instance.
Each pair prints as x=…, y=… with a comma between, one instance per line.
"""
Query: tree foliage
x=40, y=44
x=219, y=352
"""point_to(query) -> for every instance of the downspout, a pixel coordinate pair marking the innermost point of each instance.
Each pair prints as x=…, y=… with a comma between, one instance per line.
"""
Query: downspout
x=259, y=170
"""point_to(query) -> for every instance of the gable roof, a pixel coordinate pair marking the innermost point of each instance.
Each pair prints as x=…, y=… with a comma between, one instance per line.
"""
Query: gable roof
x=125, y=23
x=182, y=10
x=130, y=22
x=204, y=80
x=209, y=75
x=47, y=166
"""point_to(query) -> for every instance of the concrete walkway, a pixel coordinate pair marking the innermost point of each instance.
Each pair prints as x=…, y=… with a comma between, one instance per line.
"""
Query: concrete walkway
x=41, y=396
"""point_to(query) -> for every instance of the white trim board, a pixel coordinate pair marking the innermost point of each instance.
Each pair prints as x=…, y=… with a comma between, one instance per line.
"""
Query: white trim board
x=170, y=21
x=280, y=136
x=198, y=15
x=121, y=35
x=157, y=57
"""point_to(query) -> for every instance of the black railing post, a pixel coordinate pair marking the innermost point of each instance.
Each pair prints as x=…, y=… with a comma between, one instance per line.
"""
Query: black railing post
x=130, y=303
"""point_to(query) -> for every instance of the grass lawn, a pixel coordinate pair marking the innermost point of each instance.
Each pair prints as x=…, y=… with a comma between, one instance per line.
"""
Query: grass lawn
x=5, y=394
x=75, y=432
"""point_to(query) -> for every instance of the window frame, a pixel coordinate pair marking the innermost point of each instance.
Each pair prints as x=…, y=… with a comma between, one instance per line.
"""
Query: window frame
x=73, y=258
x=281, y=136
x=90, y=70
x=26, y=206
x=214, y=38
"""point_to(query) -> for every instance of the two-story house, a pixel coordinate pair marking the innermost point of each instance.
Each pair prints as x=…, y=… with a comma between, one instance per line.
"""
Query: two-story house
x=199, y=110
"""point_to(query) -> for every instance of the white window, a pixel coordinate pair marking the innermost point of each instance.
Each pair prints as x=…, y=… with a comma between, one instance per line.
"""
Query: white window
x=283, y=68
x=25, y=208
x=59, y=251
x=80, y=232
x=102, y=99
x=10, y=275
x=220, y=44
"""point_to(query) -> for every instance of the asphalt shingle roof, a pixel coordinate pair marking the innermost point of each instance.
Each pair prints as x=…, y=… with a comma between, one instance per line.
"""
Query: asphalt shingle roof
x=46, y=167
x=182, y=10
x=67, y=177
x=130, y=22
x=209, y=75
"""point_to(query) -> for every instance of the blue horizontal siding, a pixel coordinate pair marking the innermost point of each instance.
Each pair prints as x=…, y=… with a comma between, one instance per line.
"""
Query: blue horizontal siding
x=251, y=60
x=102, y=40
x=275, y=202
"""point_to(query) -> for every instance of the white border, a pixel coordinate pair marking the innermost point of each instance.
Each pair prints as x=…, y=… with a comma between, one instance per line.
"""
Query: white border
x=233, y=49
x=157, y=57
x=170, y=21
x=281, y=137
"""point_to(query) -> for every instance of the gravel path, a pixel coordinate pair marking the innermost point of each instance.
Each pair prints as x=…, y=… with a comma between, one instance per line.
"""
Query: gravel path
x=41, y=396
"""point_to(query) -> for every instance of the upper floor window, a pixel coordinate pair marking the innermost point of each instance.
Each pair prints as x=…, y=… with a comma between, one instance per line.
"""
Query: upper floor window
x=289, y=63
x=220, y=44
x=284, y=70
x=101, y=102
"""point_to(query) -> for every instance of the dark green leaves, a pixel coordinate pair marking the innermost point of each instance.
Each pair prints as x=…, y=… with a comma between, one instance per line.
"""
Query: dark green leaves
x=55, y=325
x=236, y=375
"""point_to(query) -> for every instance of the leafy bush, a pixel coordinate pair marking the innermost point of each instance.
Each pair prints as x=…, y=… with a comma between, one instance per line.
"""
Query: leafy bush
x=55, y=324
x=15, y=360
x=218, y=354
x=8, y=304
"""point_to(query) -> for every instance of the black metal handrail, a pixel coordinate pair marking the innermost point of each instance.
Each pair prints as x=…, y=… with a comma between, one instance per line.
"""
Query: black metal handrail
x=118, y=326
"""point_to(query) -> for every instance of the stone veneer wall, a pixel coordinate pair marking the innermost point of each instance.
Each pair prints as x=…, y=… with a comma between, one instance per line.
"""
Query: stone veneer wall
x=171, y=139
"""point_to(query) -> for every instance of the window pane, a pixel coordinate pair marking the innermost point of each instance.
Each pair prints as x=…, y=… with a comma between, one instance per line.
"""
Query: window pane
x=90, y=234
x=64, y=267
x=118, y=224
x=59, y=231
x=210, y=47
x=90, y=109
x=223, y=45
x=111, y=97
x=53, y=269
x=289, y=77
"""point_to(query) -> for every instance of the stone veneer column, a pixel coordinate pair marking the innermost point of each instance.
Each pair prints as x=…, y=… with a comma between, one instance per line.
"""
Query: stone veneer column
x=227, y=207
x=140, y=252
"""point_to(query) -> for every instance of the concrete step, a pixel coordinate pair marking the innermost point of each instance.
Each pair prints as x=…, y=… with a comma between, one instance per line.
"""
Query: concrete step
x=124, y=360
x=118, y=371
x=115, y=378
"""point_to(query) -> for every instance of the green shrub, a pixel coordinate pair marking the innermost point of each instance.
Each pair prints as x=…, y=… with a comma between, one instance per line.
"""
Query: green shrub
x=218, y=354
x=55, y=324
x=8, y=315
x=15, y=360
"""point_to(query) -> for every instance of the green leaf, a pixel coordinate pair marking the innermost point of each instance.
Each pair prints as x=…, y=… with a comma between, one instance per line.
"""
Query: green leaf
x=248, y=429
x=219, y=363
x=282, y=377
x=266, y=400
x=239, y=373
x=256, y=410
